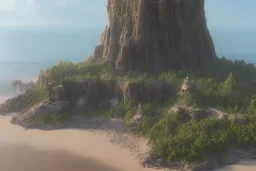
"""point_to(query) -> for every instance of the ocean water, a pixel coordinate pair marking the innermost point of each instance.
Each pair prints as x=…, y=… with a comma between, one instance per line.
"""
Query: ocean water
x=23, y=52
x=235, y=43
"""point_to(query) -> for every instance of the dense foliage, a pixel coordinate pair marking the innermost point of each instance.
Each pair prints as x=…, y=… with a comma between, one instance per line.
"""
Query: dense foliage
x=183, y=135
x=65, y=70
x=223, y=84
x=189, y=136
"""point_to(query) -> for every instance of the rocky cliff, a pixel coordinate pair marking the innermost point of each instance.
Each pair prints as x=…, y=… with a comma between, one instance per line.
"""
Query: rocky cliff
x=138, y=92
x=156, y=34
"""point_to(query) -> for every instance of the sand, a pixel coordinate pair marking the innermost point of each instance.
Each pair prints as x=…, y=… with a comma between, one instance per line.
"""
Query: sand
x=83, y=144
x=242, y=166
x=76, y=149
x=73, y=149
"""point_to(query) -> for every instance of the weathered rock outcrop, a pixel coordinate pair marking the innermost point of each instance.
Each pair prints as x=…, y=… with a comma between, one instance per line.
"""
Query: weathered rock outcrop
x=44, y=78
x=139, y=92
x=157, y=34
x=147, y=92
x=16, y=104
x=30, y=116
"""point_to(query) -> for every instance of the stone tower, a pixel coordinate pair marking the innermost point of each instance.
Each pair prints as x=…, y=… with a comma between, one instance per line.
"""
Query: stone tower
x=156, y=34
x=188, y=86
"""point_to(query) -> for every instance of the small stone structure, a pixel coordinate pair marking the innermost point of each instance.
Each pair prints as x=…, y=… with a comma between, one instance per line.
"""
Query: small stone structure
x=50, y=90
x=58, y=93
x=188, y=86
x=44, y=78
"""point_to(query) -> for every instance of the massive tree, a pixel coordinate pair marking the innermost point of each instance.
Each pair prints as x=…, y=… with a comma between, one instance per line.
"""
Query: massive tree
x=156, y=34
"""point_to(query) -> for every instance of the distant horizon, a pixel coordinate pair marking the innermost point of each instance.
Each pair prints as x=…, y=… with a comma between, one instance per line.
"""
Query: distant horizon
x=229, y=24
x=233, y=44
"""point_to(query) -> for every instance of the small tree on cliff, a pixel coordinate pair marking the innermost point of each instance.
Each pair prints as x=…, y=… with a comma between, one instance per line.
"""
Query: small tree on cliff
x=227, y=86
x=251, y=110
x=230, y=91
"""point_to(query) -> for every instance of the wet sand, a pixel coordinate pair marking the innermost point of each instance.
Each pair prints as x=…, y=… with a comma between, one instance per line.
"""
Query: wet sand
x=69, y=149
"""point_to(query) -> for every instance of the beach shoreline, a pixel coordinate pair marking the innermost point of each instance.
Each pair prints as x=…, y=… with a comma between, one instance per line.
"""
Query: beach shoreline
x=117, y=149
x=98, y=138
x=121, y=149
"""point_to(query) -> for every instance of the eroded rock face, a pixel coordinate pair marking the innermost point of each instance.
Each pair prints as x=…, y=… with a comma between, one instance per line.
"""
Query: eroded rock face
x=16, y=104
x=144, y=92
x=139, y=92
x=157, y=34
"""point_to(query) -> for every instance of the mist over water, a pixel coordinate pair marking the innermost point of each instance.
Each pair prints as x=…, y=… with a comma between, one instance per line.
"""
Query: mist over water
x=25, y=71
x=23, y=52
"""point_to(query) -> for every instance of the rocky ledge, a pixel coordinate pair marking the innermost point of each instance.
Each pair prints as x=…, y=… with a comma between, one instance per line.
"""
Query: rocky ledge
x=31, y=117
x=17, y=103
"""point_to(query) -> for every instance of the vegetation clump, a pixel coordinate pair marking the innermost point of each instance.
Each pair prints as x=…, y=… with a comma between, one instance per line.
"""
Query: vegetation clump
x=184, y=135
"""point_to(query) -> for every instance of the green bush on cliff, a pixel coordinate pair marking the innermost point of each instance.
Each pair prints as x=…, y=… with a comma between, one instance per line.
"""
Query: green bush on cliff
x=198, y=141
x=176, y=136
x=62, y=116
x=38, y=95
x=123, y=109
x=82, y=70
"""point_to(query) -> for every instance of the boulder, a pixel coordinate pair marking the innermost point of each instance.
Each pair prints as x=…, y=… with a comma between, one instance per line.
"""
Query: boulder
x=33, y=114
x=17, y=103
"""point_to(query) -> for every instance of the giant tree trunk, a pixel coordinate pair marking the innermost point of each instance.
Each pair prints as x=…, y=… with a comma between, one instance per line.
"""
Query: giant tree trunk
x=156, y=34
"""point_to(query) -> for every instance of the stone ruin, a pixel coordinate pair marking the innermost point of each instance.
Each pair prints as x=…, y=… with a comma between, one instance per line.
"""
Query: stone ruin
x=44, y=78
x=188, y=86
x=56, y=93
x=59, y=93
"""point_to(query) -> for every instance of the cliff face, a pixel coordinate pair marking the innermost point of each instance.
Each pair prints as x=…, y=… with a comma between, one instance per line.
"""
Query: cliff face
x=159, y=34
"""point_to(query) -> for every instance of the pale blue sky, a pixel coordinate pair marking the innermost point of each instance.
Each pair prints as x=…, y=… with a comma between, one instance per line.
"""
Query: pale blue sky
x=87, y=13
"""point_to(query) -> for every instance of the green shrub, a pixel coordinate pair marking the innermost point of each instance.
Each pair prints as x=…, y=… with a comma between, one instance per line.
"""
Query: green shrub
x=62, y=116
x=121, y=110
x=36, y=96
x=198, y=115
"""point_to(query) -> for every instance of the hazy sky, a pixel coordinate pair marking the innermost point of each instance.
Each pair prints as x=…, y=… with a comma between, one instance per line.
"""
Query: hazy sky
x=52, y=13
x=87, y=13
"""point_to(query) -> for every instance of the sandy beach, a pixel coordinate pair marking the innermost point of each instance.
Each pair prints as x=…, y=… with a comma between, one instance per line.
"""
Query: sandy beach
x=97, y=146
x=73, y=149
x=36, y=146
x=242, y=166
